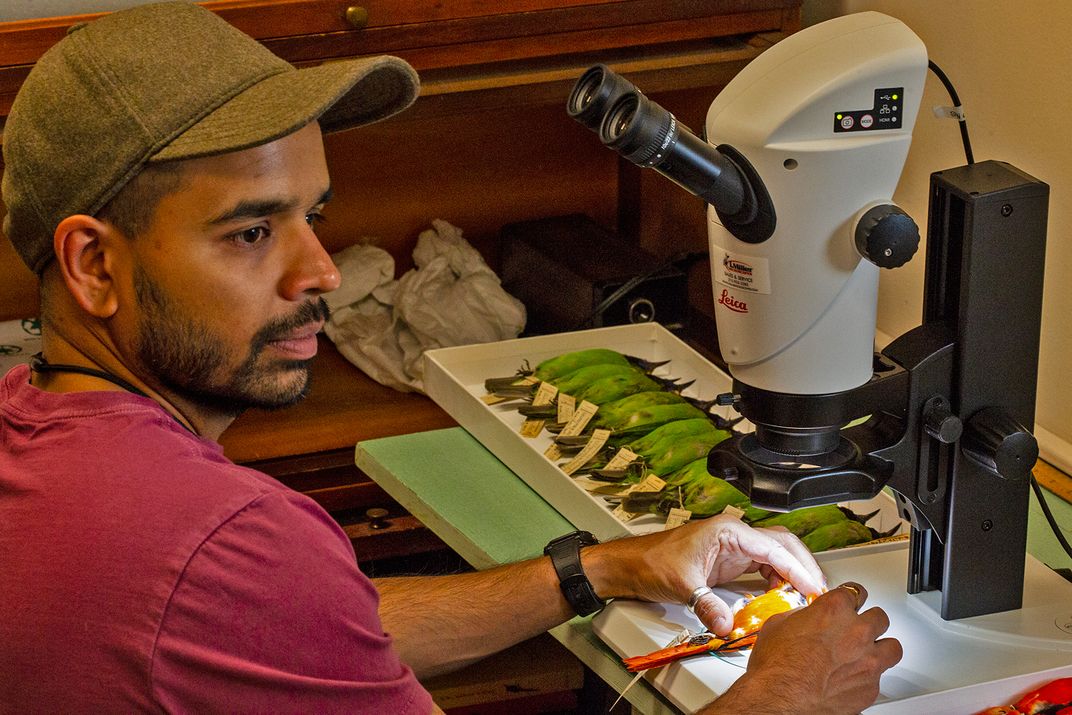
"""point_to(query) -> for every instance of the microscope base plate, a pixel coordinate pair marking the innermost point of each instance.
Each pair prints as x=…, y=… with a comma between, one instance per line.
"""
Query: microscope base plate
x=948, y=666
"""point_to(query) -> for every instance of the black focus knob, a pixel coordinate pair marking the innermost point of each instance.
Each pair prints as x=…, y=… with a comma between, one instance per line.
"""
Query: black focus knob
x=940, y=422
x=1001, y=444
x=887, y=236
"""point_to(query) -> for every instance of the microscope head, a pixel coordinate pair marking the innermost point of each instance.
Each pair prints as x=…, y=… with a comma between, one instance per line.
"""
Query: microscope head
x=812, y=137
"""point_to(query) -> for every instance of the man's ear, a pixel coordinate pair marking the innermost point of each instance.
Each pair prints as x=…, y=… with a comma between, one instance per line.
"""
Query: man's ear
x=83, y=247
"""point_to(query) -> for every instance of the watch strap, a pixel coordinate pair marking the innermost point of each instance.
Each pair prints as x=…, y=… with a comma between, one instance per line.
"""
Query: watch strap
x=565, y=553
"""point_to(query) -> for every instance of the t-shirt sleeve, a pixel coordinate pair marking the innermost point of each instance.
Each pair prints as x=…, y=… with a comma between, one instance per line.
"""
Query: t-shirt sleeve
x=272, y=614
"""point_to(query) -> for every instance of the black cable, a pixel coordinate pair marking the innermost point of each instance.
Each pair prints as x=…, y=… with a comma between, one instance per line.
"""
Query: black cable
x=39, y=364
x=687, y=257
x=1049, y=516
x=955, y=98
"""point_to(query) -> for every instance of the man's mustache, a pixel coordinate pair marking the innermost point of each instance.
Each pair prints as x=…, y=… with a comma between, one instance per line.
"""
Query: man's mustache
x=311, y=312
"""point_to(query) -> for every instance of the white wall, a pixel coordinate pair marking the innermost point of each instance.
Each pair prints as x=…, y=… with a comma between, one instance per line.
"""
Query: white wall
x=1011, y=64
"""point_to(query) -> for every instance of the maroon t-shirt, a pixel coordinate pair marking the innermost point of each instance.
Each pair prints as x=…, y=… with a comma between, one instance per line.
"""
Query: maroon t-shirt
x=140, y=570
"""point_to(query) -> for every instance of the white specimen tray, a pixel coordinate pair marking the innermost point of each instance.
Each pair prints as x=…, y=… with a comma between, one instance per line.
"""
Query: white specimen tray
x=949, y=667
x=454, y=378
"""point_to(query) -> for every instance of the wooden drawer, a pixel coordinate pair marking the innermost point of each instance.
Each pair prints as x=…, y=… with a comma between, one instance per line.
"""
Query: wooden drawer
x=439, y=35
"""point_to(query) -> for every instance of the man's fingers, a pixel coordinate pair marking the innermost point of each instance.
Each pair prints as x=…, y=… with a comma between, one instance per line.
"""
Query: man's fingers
x=800, y=552
x=890, y=652
x=714, y=613
x=877, y=620
x=797, y=566
x=857, y=593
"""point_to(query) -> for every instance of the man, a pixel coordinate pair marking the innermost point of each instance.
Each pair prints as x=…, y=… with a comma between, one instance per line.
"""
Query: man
x=163, y=175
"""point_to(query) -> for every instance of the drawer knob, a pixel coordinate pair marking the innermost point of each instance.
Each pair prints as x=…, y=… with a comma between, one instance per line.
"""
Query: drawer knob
x=377, y=518
x=357, y=16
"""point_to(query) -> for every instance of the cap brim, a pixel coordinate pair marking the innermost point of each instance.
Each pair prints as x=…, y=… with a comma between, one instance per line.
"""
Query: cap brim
x=341, y=95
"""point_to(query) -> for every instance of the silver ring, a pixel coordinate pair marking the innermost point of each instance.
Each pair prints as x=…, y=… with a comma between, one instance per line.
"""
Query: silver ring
x=697, y=594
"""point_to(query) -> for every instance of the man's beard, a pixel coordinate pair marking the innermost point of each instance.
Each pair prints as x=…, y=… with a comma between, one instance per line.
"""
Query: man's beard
x=184, y=356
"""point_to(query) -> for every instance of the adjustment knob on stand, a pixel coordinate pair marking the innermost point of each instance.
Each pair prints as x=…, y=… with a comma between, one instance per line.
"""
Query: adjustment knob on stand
x=1001, y=444
x=887, y=236
x=940, y=422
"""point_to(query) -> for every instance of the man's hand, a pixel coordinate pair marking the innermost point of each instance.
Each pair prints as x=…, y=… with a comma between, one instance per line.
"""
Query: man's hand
x=670, y=565
x=824, y=659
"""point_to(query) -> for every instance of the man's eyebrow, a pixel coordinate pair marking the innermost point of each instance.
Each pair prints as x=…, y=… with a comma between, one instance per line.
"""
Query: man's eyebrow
x=257, y=208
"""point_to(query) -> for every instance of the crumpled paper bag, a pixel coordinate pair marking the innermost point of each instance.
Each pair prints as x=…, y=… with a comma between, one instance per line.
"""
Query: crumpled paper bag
x=451, y=297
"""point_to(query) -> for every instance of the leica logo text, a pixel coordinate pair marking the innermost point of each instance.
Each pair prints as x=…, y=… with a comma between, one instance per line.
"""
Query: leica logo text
x=737, y=306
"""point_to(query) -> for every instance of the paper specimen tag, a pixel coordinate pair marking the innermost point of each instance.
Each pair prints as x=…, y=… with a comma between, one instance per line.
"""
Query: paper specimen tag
x=624, y=515
x=734, y=511
x=567, y=404
x=676, y=518
x=599, y=438
x=532, y=427
x=651, y=483
x=493, y=399
x=621, y=460
x=580, y=419
x=553, y=452
x=545, y=394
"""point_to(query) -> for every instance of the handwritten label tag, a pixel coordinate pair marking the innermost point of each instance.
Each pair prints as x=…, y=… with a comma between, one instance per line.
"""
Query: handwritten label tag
x=532, y=427
x=734, y=511
x=676, y=518
x=621, y=460
x=651, y=483
x=493, y=399
x=580, y=419
x=553, y=452
x=567, y=405
x=624, y=515
x=545, y=394
x=599, y=438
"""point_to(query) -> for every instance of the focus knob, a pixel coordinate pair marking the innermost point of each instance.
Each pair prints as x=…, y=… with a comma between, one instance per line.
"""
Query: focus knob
x=940, y=422
x=887, y=236
x=998, y=442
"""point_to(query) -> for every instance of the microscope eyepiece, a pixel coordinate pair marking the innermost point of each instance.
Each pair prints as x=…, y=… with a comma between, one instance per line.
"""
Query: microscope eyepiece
x=641, y=131
x=648, y=135
x=594, y=93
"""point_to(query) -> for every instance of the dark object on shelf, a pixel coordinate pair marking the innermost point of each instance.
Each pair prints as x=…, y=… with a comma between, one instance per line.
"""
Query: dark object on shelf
x=564, y=268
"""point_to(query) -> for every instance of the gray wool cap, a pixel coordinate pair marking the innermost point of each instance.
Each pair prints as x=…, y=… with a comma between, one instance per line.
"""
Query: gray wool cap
x=163, y=82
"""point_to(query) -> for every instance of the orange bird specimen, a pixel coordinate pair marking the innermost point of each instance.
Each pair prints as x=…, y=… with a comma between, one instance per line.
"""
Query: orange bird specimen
x=747, y=621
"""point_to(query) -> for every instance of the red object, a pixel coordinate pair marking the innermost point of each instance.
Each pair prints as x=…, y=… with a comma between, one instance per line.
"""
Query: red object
x=1047, y=699
x=1056, y=692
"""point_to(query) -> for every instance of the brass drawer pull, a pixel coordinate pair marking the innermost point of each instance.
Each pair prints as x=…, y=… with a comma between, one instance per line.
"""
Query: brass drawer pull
x=357, y=16
x=378, y=518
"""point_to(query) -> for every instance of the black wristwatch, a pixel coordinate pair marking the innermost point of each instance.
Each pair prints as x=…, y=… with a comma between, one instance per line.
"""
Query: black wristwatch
x=565, y=553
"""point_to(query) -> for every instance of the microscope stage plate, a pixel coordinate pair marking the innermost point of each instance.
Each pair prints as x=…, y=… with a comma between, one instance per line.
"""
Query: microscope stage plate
x=949, y=667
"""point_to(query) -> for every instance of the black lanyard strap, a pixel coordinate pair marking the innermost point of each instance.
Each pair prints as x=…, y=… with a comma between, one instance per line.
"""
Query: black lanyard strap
x=39, y=364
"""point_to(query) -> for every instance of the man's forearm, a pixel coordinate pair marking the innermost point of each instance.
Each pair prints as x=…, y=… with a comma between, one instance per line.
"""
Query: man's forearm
x=440, y=623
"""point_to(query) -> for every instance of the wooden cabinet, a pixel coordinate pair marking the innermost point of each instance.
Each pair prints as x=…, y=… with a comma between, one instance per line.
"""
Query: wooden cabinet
x=487, y=143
